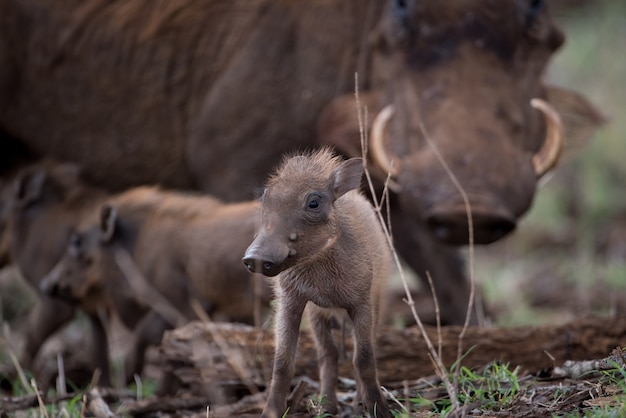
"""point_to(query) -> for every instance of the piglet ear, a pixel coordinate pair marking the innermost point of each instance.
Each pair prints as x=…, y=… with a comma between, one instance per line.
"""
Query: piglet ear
x=108, y=220
x=347, y=176
x=28, y=187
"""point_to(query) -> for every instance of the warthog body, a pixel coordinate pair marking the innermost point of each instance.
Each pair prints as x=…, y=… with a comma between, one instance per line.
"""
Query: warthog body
x=47, y=200
x=184, y=246
x=322, y=239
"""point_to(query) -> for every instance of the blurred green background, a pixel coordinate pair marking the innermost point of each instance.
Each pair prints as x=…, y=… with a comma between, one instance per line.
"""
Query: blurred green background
x=568, y=256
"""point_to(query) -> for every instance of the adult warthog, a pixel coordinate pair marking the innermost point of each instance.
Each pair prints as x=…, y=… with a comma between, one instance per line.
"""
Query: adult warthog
x=210, y=94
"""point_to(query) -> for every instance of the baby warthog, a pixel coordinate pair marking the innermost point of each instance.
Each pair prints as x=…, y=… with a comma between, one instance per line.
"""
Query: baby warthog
x=321, y=237
x=185, y=247
x=47, y=200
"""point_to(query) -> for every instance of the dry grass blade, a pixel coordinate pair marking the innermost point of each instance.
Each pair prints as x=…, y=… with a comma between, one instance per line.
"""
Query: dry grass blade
x=437, y=315
x=61, y=387
x=233, y=356
x=146, y=292
x=42, y=405
x=163, y=307
x=9, y=346
x=97, y=406
x=439, y=366
x=470, y=223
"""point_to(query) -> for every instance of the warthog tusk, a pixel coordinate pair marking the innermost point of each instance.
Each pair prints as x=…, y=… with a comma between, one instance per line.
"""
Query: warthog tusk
x=379, y=154
x=547, y=157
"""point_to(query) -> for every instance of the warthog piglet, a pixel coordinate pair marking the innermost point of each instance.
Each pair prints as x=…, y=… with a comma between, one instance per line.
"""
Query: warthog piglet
x=321, y=238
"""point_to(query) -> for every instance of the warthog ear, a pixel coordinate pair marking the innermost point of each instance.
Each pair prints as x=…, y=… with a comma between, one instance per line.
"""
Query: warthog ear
x=347, y=177
x=28, y=187
x=108, y=218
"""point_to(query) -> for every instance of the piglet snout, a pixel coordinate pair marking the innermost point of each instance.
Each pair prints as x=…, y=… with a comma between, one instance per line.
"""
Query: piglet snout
x=258, y=259
x=50, y=285
x=259, y=265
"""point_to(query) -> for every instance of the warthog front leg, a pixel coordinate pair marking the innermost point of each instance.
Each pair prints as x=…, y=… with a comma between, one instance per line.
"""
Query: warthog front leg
x=48, y=316
x=289, y=315
x=148, y=332
x=365, y=363
x=101, y=354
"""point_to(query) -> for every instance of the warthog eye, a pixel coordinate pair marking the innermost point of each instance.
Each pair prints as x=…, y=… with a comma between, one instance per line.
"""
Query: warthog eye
x=75, y=244
x=316, y=207
x=314, y=201
x=75, y=240
x=534, y=9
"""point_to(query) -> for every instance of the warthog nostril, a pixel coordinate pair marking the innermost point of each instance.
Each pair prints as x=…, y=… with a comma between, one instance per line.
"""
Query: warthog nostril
x=48, y=287
x=250, y=264
x=265, y=267
x=53, y=289
x=254, y=265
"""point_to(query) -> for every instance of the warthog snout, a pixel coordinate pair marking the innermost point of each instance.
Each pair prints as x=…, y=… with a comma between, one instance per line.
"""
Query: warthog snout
x=50, y=285
x=256, y=262
x=265, y=267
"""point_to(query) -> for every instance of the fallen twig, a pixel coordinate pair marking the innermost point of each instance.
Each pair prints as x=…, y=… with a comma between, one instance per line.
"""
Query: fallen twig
x=96, y=405
x=20, y=403
x=576, y=369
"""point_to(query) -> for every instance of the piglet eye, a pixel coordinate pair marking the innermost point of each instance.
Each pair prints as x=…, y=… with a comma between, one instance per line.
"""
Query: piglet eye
x=75, y=244
x=75, y=241
x=314, y=203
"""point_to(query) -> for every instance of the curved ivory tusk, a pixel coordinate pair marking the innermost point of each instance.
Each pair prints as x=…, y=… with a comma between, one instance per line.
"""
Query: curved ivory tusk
x=547, y=157
x=379, y=155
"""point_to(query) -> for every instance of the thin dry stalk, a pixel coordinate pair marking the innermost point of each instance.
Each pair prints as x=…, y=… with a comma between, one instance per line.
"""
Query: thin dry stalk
x=97, y=406
x=95, y=378
x=139, y=386
x=7, y=342
x=470, y=228
x=470, y=223
x=393, y=398
x=42, y=405
x=163, y=307
x=233, y=356
x=146, y=292
x=60, y=384
x=83, y=407
x=437, y=315
x=61, y=387
x=433, y=354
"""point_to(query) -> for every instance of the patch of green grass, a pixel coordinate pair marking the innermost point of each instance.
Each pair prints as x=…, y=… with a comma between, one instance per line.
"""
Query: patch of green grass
x=316, y=406
x=613, y=382
x=493, y=388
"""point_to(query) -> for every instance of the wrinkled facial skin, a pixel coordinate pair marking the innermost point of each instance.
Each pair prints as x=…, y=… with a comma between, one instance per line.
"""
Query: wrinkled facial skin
x=465, y=80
